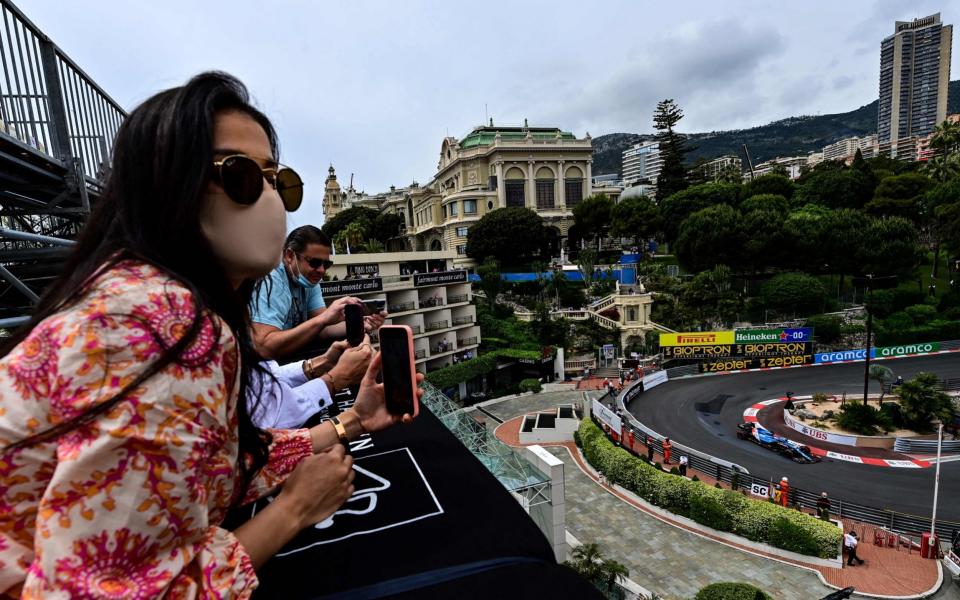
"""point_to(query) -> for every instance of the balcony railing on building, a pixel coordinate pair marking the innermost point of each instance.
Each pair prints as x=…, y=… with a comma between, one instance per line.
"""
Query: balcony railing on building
x=463, y=320
x=431, y=302
x=402, y=307
x=457, y=298
x=420, y=354
x=416, y=329
x=470, y=341
x=438, y=325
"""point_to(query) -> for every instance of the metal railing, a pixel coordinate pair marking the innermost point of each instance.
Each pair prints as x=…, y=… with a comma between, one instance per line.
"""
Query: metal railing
x=463, y=320
x=416, y=329
x=431, y=302
x=50, y=104
x=467, y=341
x=401, y=307
x=420, y=354
x=740, y=478
x=438, y=325
x=457, y=298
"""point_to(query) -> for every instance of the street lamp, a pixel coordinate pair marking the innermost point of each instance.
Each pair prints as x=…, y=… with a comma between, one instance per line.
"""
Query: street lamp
x=936, y=484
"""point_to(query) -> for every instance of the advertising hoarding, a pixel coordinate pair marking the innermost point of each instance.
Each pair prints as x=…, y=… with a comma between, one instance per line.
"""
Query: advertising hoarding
x=766, y=362
x=696, y=338
x=746, y=350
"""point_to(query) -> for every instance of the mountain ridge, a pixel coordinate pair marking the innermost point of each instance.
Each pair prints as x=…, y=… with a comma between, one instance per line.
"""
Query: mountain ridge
x=790, y=136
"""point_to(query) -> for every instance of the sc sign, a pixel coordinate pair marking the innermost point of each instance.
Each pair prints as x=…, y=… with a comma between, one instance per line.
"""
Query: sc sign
x=760, y=490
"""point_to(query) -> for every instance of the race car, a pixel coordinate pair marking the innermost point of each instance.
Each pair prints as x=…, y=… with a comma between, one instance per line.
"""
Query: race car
x=758, y=435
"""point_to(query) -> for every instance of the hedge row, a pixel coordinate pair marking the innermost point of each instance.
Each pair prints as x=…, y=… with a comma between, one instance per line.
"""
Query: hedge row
x=481, y=365
x=724, y=510
x=731, y=591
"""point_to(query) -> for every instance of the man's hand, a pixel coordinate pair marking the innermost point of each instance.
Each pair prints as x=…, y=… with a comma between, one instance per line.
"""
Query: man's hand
x=373, y=322
x=352, y=365
x=334, y=313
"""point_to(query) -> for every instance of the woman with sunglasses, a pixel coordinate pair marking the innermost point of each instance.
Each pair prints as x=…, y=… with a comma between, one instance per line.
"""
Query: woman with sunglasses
x=123, y=441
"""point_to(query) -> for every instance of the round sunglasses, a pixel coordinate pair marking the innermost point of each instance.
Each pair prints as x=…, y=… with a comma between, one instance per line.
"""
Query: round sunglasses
x=241, y=178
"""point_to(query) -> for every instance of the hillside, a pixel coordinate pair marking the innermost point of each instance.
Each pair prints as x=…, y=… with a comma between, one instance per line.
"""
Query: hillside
x=787, y=137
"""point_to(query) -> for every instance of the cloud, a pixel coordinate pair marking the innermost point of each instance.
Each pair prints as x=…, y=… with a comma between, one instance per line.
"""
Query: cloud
x=699, y=64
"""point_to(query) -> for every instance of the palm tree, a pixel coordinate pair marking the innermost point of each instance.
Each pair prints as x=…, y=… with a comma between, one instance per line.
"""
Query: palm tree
x=588, y=560
x=353, y=235
x=881, y=375
x=943, y=167
x=374, y=245
x=946, y=137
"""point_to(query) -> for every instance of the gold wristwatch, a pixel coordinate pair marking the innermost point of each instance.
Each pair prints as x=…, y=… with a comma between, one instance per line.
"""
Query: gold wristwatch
x=341, y=430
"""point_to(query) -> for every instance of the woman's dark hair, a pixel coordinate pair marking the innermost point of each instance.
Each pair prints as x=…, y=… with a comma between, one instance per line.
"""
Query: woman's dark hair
x=150, y=211
x=301, y=237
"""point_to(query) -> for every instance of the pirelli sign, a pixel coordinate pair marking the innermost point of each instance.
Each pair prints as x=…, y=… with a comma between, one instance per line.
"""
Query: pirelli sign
x=697, y=338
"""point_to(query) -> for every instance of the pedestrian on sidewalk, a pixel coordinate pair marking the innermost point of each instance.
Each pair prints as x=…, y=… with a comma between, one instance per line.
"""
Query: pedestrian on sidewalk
x=649, y=449
x=850, y=543
x=683, y=465
x=667, y=447
x=823, y=507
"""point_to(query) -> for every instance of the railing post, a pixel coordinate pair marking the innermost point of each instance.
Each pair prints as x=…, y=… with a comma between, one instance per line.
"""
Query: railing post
x=59, y=130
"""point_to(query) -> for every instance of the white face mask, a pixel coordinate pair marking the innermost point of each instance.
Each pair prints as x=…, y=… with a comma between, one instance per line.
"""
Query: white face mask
x=248, y=240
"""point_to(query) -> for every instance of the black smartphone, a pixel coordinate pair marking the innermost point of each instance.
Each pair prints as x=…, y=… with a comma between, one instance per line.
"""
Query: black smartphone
x=373, y=307
x=399, y=371
x=353, y=314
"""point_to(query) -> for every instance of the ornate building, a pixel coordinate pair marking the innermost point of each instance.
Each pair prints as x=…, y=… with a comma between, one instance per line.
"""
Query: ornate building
x=541, y=168
x=332, y=199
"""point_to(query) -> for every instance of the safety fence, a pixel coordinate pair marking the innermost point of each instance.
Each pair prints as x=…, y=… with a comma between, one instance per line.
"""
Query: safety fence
x=739, y=478
x=50, y=104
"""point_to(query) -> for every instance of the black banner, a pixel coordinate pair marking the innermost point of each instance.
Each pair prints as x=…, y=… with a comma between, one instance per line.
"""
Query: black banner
x=766, y=362
x=752, y=350
x=441, y=278
x=349, y=287
x=363, y=269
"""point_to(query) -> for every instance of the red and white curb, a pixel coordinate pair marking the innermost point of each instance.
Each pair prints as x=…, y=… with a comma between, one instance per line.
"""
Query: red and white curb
x=750, y=416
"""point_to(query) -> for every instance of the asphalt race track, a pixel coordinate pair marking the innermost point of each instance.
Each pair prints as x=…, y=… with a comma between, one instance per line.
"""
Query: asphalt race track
x=703, y=413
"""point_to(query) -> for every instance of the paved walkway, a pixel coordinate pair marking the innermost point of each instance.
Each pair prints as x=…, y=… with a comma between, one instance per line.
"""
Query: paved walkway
x=670, y=561
x=654, y=550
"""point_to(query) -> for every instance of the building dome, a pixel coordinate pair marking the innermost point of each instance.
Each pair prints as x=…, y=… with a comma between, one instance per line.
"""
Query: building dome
x=637, y=191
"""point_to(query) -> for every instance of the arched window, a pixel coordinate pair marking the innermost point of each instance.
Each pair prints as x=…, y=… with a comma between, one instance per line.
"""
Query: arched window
x=573, y=186
x=545, y=188
x=514, y=185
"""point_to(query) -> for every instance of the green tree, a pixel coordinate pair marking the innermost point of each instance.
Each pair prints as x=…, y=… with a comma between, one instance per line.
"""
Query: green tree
x=946, y=138
x=373, y=245
x=768, y=184
x=587, y=261
x=774, y=202
x=681, y=205
x=353, y=235
x=922, y=400
x=846, y=188
x=840, y=240
x=943, y=168
x=826, y=328
x=710, y=237
x=589, y=561
x=890, y=246
x=807, y=227
x=592, y=215
x=673, y=149
x=949, y=219
x=796, y=293
x=365, y=216
x=881, y=374
x=900, y=196
x=385, y=227
x=512, y=235
x=491, y=280
x=637, y=218
x=765, y=243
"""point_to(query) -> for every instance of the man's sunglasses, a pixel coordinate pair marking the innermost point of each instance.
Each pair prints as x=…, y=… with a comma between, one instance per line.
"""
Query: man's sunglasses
x=242, y=179
x=316, y=263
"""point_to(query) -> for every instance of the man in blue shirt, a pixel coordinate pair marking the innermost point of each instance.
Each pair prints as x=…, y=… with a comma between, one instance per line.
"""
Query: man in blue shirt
x=288, y=310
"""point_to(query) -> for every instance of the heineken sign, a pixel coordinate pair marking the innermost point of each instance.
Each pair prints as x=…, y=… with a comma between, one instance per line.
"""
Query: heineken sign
x=798, y=334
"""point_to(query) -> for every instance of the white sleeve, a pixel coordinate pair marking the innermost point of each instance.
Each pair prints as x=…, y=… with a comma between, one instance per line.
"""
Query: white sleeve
x=274, y=403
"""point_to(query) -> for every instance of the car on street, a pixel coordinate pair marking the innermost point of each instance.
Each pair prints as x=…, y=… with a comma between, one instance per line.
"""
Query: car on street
x=795, y=451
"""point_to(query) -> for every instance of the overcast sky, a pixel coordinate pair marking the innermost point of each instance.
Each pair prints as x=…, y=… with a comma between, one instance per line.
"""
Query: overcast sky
x=374, y=86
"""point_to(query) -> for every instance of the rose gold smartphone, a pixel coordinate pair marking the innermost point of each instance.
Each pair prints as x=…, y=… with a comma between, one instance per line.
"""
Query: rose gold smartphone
x=399, y=372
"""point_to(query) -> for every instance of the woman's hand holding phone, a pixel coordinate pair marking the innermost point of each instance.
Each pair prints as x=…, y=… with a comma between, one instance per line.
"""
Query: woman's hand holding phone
x=352, y=364
x=371, y=407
